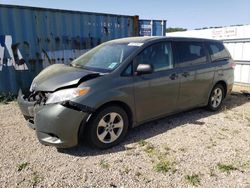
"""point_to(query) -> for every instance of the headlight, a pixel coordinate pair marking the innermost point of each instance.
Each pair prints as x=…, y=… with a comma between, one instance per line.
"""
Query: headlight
x=66, y=94
x=33, y=86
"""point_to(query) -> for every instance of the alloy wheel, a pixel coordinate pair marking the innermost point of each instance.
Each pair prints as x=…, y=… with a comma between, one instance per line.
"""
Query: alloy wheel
x=216, y=97
x=110, y=127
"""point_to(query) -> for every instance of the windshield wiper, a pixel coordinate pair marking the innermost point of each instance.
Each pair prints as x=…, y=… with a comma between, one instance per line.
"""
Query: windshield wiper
x=88, y=69
x=76, y=66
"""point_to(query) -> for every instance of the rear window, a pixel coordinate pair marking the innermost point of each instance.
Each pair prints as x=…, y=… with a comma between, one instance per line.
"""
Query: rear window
x=190, y=53
x=217, y=51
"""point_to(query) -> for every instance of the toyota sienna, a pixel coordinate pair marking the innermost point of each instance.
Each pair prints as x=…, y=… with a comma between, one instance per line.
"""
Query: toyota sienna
x=123, y=83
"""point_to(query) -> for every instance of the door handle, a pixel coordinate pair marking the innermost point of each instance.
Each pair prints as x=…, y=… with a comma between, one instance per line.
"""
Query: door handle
x=173, y=76
x=185, y=74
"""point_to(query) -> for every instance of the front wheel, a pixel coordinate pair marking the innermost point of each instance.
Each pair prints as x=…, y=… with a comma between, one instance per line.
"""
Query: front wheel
x=216, y=98
x=108, y=127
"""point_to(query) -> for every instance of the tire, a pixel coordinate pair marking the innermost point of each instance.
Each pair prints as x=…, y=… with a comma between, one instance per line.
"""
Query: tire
x=108, y=127
x=216, y=97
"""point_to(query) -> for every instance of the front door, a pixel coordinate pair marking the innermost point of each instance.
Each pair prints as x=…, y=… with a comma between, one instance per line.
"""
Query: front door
x=156, y=93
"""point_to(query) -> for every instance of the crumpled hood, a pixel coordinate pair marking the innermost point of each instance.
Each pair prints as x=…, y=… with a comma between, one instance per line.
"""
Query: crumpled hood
x=58, y=76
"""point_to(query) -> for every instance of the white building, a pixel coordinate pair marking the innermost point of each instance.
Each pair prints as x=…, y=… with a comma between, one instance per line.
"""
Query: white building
x=236, y=39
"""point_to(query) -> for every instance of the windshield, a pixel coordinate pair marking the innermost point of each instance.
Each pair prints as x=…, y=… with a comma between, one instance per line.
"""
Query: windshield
x=105, y=57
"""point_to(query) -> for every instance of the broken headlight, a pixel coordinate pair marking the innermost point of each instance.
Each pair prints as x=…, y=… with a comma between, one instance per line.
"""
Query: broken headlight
x=66, y=94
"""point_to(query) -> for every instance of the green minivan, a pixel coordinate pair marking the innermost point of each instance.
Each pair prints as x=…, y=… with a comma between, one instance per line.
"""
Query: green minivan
x=123, y=83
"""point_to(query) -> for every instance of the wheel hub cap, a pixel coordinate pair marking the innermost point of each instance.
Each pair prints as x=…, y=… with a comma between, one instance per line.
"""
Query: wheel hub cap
x=216, y=97
x=110, y=127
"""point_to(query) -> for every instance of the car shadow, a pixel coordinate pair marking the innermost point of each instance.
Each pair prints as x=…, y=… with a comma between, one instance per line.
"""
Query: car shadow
x=159, y=126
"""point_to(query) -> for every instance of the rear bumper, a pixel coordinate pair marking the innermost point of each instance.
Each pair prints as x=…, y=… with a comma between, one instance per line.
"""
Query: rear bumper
x=229, y=89
x=55, y=124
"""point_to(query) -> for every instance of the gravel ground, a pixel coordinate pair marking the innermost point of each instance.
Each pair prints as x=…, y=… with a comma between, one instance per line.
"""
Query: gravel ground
x=195, y=148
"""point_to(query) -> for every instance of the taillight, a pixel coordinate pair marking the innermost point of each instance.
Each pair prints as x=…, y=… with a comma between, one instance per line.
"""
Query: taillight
x=232, y=65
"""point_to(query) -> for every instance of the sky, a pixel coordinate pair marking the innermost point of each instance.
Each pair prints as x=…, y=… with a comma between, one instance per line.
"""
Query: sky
x=188, y=14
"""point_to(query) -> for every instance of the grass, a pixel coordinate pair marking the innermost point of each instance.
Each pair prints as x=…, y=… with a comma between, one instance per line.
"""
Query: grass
x=163, y=166
x=22, y=166
x=226, y=168
x=193, y=179
x=36, y=179
x=142, y=143
x=150, y=149
x=104, y=164
x=7, y=97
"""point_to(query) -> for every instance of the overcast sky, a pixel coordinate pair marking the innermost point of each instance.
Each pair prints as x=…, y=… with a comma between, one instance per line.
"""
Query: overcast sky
x=189, y=14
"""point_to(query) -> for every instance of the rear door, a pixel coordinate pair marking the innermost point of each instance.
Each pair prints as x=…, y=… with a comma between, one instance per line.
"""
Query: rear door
x=220, y=59
x=156, y=93
x=196, y=74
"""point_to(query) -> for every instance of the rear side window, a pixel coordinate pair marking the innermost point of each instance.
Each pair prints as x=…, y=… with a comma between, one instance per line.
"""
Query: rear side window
x=190, y=53
x=159, y=55
x=217, y=51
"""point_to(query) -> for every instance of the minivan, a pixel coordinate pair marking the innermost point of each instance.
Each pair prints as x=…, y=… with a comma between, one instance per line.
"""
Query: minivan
x=124, y=83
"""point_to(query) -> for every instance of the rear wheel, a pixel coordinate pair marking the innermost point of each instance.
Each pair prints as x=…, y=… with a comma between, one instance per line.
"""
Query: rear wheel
x=216, y=97
x=108, y=127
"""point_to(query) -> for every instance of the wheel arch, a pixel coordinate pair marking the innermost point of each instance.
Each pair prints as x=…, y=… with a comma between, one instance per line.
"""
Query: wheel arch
x=221, y=82
x=121, y=104
x=224, y=85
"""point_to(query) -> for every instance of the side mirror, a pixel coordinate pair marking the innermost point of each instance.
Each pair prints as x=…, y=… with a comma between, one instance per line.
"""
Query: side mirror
x=144, y=69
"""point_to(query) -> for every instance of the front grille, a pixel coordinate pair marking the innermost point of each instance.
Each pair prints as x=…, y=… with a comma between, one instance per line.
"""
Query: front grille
x=39, y=97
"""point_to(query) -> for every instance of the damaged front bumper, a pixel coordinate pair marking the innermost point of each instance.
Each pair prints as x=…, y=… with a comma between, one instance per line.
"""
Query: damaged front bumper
x=55, y=124
x=27, y=109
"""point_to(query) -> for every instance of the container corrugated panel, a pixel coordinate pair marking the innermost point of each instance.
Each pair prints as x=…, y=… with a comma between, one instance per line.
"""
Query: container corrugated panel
x=152, y=27
x=239, y=49
x=33, y=38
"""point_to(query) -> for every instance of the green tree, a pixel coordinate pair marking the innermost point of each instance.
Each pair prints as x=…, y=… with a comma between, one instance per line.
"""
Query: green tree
x=175, y=29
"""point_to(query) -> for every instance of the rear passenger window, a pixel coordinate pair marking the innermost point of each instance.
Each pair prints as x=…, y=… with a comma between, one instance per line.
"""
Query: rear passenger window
x=190, y=53
x=158, y=55
x=217, y=51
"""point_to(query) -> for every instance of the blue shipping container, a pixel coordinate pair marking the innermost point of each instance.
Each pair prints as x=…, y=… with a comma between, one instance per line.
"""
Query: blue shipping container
x=33, y=38
x=152, y=27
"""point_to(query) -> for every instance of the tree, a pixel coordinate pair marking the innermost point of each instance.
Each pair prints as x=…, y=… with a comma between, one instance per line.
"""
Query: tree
x=175, y=29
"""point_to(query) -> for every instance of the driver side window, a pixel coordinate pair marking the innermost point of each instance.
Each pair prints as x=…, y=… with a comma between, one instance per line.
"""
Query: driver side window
x=158, y=55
